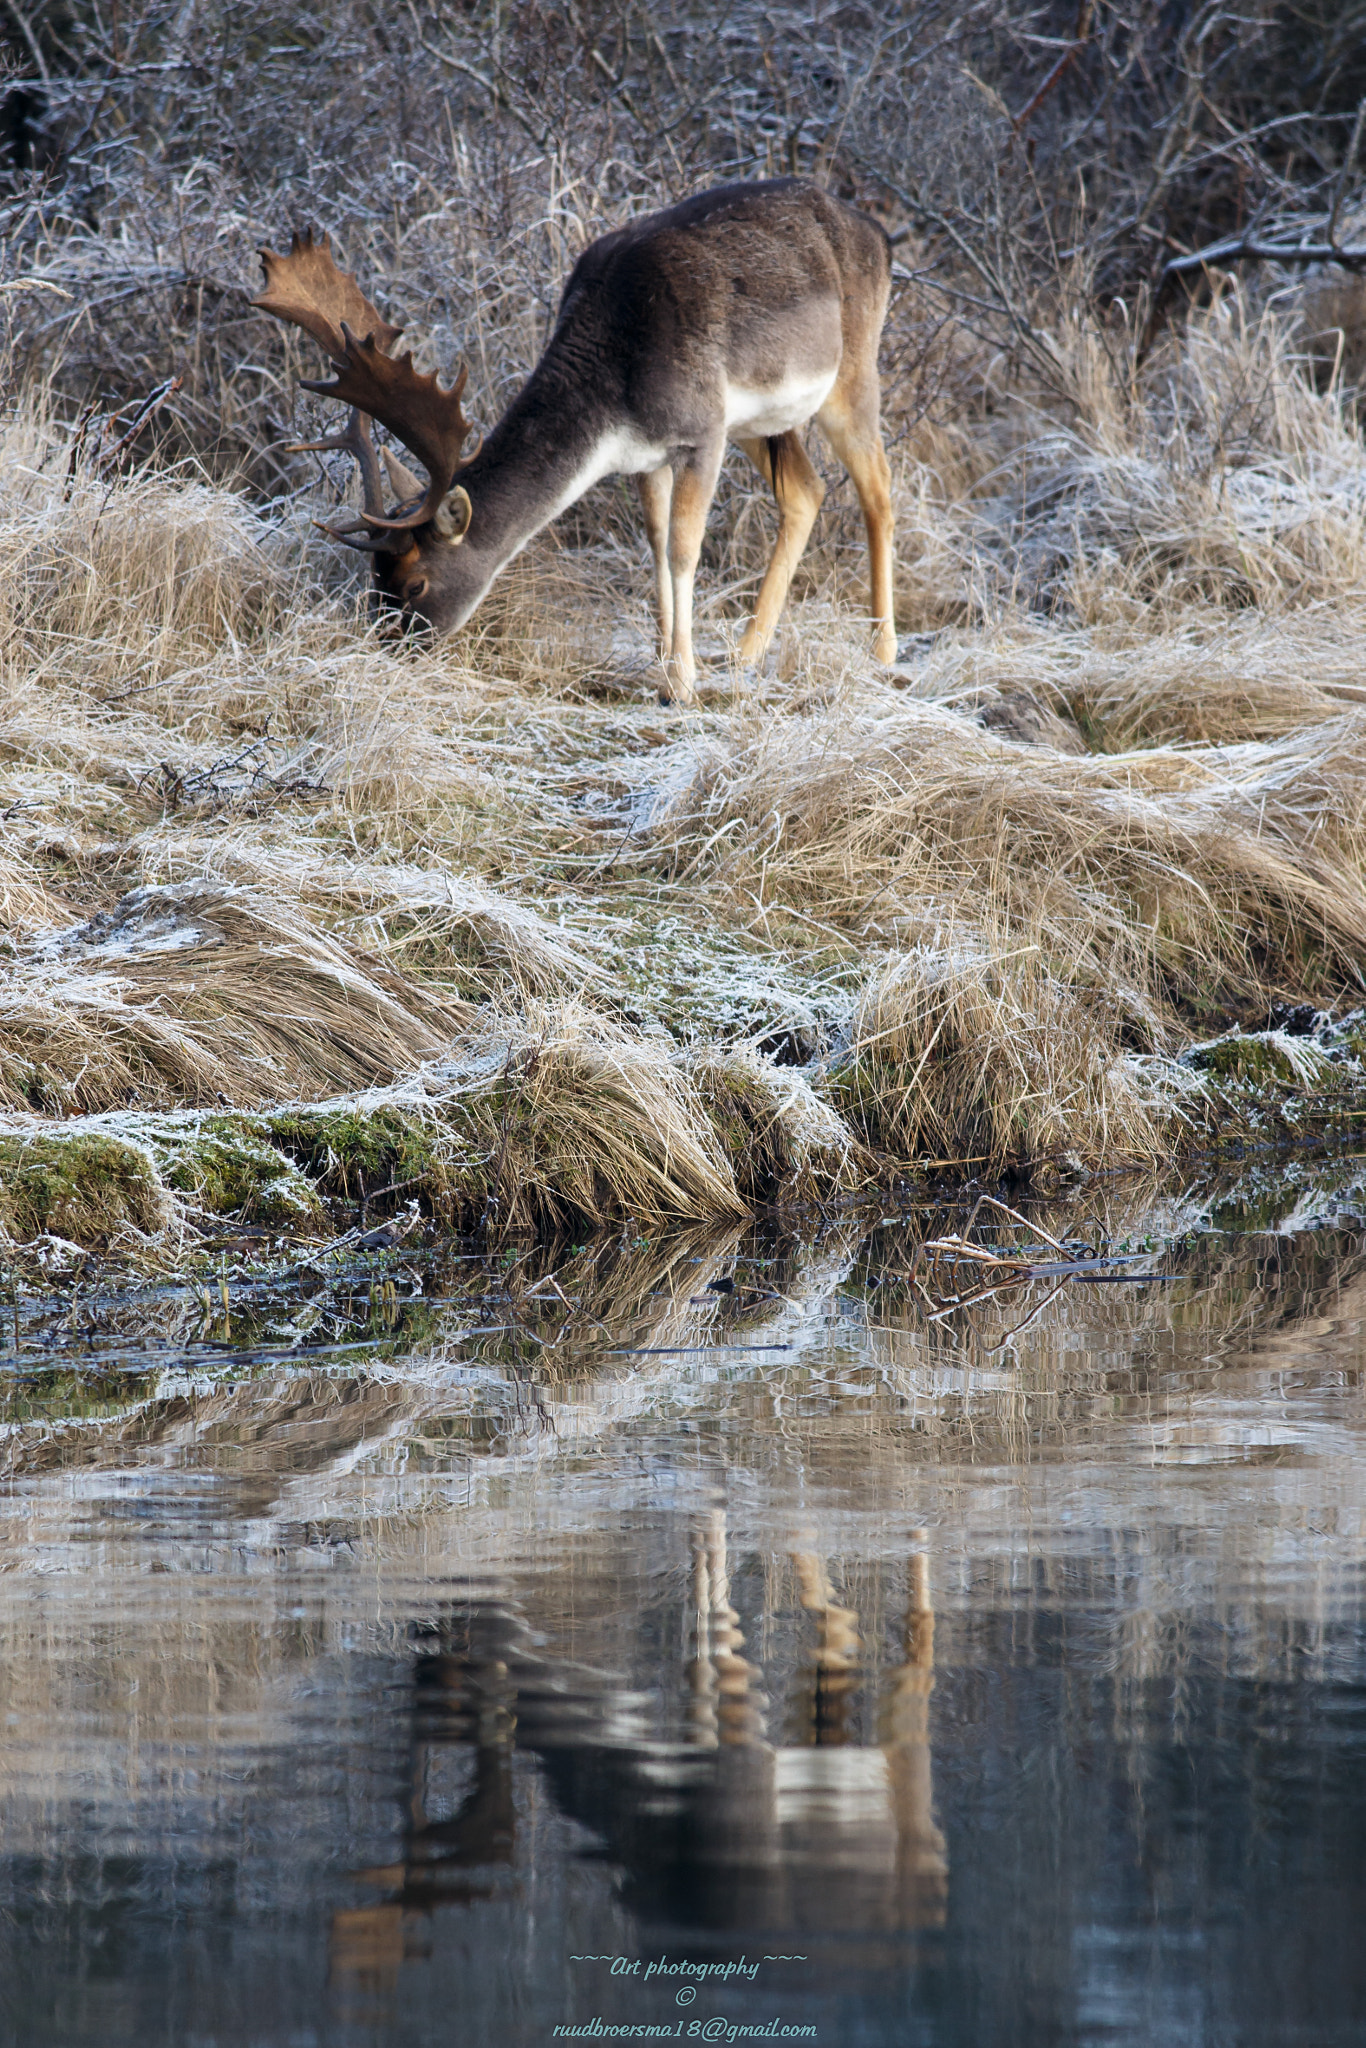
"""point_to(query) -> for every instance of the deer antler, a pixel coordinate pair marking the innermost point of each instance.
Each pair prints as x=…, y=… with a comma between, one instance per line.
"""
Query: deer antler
x=307, y=288
x=355, y=441
x=426, y=419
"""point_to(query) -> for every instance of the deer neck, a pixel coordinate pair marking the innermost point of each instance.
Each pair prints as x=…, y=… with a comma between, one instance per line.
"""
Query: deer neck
x=554, y=442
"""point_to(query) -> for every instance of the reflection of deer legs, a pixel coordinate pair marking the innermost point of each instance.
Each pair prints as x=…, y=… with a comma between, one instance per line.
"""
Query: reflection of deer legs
x=725, y=1709
x=800, y=493
x=922, y=1868
x=731, y=1820
x=837, y=1646
x=850, y=422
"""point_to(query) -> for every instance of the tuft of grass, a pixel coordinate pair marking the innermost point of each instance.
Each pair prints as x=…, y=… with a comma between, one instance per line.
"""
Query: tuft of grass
x=79, y=1184
x=197, y=993
x=783, y=1140
x=579, y=1121
x=963, y=1052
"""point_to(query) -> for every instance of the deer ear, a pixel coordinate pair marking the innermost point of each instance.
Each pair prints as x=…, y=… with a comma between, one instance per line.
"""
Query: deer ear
x=454, y=514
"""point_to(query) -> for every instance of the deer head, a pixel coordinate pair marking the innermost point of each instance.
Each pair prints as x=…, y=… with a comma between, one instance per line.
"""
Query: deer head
x=412, y=544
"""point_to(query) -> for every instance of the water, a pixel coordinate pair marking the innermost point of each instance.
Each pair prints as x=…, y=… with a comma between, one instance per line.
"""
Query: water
x=399, y=1667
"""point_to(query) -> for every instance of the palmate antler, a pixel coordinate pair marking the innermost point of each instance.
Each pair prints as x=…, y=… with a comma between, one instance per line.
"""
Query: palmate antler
x=427, y=420
x=307, y=288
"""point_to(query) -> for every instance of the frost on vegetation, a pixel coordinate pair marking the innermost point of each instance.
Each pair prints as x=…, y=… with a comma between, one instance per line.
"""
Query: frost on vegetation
x=779, y=1134
x=1257, y=1084
x=963, y=1052
x=476, y=941
x=1151, y=870
x=552, y=1119
x=200, y=992
x=432, y=919
x=154, y=563
x=233, y=1167
x=84, y=1185
x=1267, y=1059
x=428, y=917
x=1221, y=476
x=708, y=985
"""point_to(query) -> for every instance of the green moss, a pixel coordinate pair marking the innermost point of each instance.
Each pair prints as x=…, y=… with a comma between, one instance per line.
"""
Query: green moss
x=392, y=1152
x=1262, y=1059
x=82, y=1187
x=354, y=1152
x=228, y=1167
x=1347, y=1037
x=1260, y=1085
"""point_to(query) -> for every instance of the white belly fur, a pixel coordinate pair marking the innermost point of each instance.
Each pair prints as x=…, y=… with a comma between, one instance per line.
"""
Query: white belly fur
x=754, y=415
x=750, y=415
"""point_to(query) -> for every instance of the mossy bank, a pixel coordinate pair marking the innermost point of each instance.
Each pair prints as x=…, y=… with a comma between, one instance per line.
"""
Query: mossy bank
x=541, y=1137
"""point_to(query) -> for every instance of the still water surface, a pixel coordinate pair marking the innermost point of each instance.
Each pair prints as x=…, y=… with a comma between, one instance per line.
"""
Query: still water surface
x=995, y=1677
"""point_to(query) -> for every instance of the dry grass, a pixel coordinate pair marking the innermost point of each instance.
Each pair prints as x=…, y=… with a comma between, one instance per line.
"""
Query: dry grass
x=256, y=851
x=582, y=1123
x=1216, y=877
x=967, y=1052
x=195, y=994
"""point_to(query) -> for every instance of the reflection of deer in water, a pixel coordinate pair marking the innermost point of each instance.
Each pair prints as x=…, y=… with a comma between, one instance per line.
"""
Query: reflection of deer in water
x=446, y=1862
x=724, y=1829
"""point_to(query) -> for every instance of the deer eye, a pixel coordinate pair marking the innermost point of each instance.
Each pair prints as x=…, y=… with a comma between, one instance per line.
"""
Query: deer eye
x=415, y=591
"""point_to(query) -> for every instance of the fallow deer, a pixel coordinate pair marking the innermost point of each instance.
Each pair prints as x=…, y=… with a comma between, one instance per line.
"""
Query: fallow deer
x=741, y=313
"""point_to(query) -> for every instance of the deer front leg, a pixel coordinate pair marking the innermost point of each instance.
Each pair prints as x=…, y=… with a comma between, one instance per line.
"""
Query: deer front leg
x=656, y=488
x=694, y=486
x=800, y=494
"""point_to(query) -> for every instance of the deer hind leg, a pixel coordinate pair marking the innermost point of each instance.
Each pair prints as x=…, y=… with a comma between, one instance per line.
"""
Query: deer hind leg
x=849, y=420
x=800, y=494
x=656, y=488
x=694, y=485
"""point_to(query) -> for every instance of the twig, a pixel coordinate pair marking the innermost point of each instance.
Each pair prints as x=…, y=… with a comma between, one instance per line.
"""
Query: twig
x=150, y=406
x=1344, y=174
x=1081, y=36
x=1015, y=1217
x=1238, y=249
x=1032, y=1317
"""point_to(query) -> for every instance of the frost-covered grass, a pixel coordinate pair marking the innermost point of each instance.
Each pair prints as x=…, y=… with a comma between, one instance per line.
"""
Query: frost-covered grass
x=835, y=924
